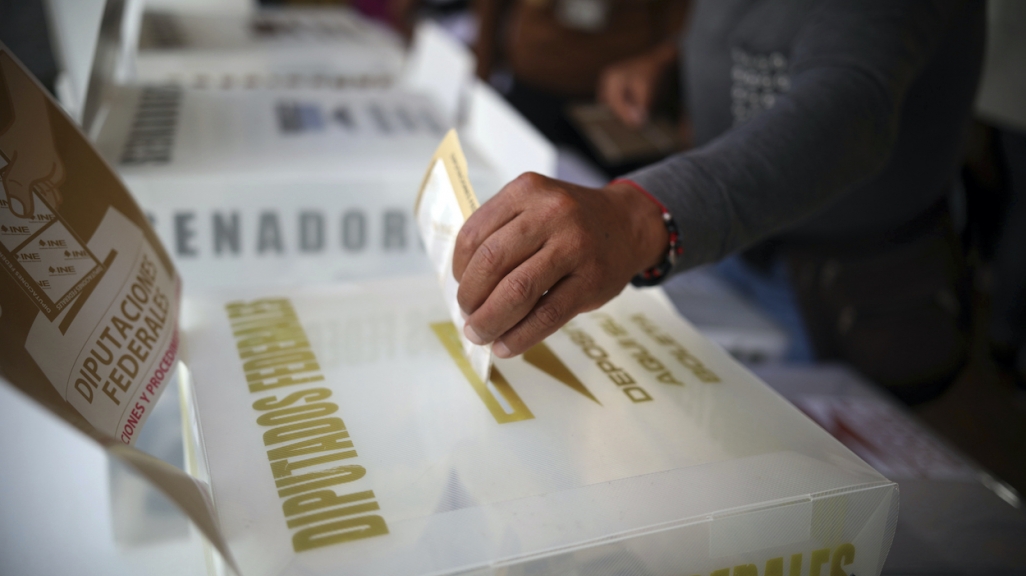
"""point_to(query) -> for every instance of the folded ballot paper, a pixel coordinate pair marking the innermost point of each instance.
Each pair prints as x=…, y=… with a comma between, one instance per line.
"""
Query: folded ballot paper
x=342, y=429
x=444, y=203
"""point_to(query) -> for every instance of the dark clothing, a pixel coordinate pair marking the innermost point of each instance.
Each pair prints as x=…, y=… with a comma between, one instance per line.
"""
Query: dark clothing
x=832, y=120
x=553, y=56
x=23, y=28
x=1008, y=296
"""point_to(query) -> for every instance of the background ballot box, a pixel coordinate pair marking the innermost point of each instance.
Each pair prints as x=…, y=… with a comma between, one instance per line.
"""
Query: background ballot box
x=313, y=184
x=342, y=431
x=277, y=47
x=218, y=45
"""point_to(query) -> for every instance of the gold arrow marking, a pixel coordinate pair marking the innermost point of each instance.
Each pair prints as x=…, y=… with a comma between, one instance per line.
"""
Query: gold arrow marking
x=541, y=357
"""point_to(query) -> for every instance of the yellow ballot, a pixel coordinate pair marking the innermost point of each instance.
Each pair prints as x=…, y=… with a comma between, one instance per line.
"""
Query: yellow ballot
x=444, y=203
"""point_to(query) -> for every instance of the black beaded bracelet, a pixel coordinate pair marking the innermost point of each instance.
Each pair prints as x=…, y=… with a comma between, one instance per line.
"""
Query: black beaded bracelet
x=659, y=272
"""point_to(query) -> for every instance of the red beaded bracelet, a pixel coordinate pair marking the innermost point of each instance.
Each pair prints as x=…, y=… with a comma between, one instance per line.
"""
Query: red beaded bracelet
x=659, y=272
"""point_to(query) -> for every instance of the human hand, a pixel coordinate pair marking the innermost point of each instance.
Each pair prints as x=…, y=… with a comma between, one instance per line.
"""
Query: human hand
x=629, y=86
x=543, y=250
x=32, y=161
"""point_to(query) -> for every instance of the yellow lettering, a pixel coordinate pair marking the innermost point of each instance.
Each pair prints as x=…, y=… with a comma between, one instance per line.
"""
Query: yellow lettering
x=305, y=429
x=326, y=443
x=272, y=402
x=621, y=378
x=282, y=382
x=637, y=394
x=283, y=468
x=667, y=378
x=348, y=474
x=818, y=559
x=278, y=359
x=333, y=513
x=275, y=352
x=269, y=334
x=274, y=348
x=257, y=307
x=313, y=501
x=843, y=555
x=297, y=413
x=123, y=328
x=282, y=371
x=338, y=532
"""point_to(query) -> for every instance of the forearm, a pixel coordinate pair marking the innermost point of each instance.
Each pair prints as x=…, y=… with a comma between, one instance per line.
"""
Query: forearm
x=835, y=127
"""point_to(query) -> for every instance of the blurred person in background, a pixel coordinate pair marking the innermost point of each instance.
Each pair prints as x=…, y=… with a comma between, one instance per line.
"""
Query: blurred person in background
x=1001, y=104
x=828, y=141
x=564, y=51
x=23, y=28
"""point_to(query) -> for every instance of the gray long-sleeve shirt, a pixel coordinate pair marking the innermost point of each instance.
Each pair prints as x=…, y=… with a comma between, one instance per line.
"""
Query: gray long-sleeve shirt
x=817, y=119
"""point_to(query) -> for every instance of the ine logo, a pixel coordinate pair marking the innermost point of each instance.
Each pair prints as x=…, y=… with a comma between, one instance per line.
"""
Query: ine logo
x=62, y=270
x=51, y=244
x=14, y=229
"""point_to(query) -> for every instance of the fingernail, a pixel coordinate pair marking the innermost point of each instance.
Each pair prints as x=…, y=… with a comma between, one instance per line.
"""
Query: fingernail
x=501, y=350
x=472, y=336
x=16, y=206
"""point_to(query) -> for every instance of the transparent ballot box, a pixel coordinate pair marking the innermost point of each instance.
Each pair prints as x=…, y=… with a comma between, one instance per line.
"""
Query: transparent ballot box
x=278, y=47
x=342, y=431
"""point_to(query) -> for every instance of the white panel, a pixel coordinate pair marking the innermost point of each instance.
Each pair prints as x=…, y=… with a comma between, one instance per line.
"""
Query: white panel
x=509, y=142
x=439, y=66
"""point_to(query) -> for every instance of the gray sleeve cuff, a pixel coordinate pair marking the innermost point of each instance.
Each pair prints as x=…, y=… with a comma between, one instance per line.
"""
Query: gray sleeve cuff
x=697, y=204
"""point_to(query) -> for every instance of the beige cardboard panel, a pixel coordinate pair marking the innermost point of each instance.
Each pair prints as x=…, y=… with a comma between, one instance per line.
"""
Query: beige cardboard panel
x=88, y=296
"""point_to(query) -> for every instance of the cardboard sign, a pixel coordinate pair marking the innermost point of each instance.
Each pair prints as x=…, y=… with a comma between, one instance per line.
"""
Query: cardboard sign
x=89, y=299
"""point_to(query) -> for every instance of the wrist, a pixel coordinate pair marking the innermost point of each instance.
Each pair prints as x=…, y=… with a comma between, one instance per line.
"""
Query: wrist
x=644, y=219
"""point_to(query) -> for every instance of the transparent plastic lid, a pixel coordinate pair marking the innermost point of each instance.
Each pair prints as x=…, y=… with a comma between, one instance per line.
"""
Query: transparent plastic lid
x=345, y=433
